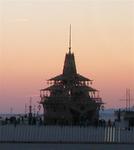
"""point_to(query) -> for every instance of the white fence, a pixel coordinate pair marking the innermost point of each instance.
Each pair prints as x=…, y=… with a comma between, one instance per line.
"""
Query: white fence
x=65, y=134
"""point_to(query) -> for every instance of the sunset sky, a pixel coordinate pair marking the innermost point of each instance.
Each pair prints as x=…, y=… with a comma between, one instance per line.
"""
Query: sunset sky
x=34, y=39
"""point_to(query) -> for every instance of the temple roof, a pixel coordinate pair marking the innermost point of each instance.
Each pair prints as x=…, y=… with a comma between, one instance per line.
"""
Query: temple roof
x=87, y=88
x=60, y=87
x=53, y=87
x=69, y=70
x=62, y=77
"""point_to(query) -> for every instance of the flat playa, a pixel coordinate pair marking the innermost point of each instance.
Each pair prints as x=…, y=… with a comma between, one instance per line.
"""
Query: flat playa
x=20, y=146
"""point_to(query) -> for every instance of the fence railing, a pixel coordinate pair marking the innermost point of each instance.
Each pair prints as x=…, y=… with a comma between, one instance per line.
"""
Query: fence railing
x=66, y=134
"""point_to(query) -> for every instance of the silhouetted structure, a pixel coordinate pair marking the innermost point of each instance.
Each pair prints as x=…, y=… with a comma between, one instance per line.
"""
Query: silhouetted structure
x=69, y=99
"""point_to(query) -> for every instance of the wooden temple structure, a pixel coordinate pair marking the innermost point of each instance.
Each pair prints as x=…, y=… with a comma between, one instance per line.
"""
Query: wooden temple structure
x=69, y=99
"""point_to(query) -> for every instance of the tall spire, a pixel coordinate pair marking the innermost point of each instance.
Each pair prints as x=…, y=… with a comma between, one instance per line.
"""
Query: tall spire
x=70, y=40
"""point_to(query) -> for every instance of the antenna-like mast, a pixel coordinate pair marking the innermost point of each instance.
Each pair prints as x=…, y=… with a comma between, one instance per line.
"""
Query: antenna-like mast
x=127, y=99
x=70, y=40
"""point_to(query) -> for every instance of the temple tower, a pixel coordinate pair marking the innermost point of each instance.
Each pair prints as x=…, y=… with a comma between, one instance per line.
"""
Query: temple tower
x=69, y=99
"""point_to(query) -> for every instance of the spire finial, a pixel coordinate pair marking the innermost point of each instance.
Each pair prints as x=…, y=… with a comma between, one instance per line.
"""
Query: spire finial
x=70, y=40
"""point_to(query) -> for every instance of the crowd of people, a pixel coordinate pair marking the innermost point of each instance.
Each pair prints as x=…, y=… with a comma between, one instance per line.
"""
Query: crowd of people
x=21, y=120
x=38, y=120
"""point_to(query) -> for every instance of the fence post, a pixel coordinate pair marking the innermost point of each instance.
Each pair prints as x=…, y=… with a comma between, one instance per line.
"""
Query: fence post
x=119, y=133
x=113, y=139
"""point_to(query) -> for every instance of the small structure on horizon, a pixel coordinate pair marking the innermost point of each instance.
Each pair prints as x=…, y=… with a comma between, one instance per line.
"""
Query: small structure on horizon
x=69, y=99
x=126, y=116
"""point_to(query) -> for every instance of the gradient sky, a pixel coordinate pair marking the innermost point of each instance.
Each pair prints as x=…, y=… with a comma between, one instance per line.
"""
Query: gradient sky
x=34, y=40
